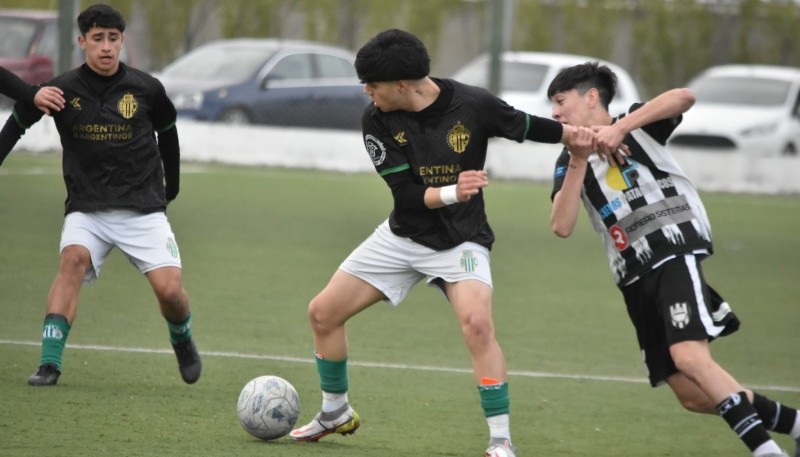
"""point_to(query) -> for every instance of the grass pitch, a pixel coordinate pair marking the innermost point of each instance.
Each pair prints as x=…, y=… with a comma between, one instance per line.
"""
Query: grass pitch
x=258, y=243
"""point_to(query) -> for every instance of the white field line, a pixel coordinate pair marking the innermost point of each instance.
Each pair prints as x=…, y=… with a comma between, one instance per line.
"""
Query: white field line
x=401, y=366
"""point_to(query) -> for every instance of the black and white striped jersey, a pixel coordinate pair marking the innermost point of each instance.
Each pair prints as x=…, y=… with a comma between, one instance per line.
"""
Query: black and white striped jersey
x=647, y=210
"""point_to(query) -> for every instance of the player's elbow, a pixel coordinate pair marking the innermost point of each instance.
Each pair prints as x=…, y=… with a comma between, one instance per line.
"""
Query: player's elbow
x=685, y=98
x=561, y=230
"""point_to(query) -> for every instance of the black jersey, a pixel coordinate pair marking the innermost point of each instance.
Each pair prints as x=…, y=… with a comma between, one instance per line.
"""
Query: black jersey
x=111, y=158
x=431, y=148
x=646, y=210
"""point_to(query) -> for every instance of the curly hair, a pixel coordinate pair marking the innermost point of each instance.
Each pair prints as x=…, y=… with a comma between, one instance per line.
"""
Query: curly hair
x=392, y=55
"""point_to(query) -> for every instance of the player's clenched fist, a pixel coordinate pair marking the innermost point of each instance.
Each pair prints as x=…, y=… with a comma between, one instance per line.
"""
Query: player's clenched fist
x=470, y=182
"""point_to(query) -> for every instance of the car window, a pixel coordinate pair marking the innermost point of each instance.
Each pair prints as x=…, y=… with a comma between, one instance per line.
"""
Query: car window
x=16, y=37
x=218, y=63
x=294, y=66
x=741, y=91
x=519, y=76
x=48, y=43
x=335, y=67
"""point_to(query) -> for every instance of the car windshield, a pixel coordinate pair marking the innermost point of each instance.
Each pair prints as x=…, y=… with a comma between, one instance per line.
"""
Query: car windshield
x=16, y=36
x=517, y=76
x=235, y=63
x=741, y=91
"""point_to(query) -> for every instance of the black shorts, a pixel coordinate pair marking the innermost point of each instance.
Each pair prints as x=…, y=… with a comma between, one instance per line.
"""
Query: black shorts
x=670, y=304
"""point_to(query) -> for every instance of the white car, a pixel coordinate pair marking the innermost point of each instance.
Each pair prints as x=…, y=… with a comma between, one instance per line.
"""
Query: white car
x=527, y=75
x=753, y=109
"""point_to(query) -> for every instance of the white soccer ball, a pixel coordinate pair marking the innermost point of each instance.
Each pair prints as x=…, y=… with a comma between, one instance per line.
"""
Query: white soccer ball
x=268, y=407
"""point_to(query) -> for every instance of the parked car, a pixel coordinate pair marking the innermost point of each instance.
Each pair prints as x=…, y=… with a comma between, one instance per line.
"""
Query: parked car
x=29, y=44
x=267, y=81
x=527, y=75
x=753, y=109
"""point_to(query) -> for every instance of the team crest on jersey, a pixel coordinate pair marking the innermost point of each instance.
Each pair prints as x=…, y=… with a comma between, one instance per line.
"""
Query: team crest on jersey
x=468, y=261
x=127, y=106
x=376, y=149
x=458, y=138
x=680, y=314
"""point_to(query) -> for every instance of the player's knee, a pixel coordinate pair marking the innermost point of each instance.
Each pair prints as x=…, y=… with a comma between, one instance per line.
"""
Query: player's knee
x=172, y=294
x=75, y=259
x=478, y=328
x=319, y=315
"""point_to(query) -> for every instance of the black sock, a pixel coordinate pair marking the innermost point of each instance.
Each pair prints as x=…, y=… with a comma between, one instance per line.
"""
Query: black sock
x=743, y=419
x=776, y=417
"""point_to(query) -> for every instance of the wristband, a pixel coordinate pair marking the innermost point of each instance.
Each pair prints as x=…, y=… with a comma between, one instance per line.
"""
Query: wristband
x=448, y=194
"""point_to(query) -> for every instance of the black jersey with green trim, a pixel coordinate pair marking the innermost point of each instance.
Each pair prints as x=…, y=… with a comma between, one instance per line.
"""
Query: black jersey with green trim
x=430, y=148
x=108, y=131
x=645, y=210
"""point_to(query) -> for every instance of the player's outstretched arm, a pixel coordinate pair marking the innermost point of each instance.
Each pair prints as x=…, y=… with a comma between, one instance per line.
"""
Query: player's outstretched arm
x=46, y=98
x=9, y=135
x=669, y=104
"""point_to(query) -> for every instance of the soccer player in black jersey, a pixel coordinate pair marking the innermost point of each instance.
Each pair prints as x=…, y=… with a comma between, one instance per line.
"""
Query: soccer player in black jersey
x=46, y=98
x=656, y=233
x=121, y=167
x=427, y=138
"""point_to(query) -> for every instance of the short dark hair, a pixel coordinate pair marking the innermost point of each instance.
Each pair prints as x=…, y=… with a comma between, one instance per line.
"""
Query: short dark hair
x=100, y=15
x=392, y=55
x=584, y=77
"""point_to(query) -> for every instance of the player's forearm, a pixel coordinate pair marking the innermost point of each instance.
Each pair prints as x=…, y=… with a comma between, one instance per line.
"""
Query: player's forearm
x=544, y=130
x=566, y=203
x=169, y=148
x=671, y=103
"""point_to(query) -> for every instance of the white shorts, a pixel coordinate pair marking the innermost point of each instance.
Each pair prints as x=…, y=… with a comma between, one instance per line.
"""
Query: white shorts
x=145, y=239
x=394, y=264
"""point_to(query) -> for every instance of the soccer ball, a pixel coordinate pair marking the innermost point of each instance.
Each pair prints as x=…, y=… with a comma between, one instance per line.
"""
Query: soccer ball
x=268, y=407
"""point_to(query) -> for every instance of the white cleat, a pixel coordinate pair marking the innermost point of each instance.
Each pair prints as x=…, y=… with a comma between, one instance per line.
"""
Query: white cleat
x=500, y=447
x=343, y=421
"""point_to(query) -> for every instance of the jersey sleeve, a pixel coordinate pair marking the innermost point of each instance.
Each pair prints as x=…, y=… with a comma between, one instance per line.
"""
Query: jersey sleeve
x=164, y=113
x=14, y=87
x=391, y=163
x=560, y=172
x=503, y=120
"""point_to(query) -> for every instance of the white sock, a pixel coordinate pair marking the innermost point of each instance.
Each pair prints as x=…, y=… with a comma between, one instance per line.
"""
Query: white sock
x=768, y=448
x=332, y=401
x=499, y=426
x=796, y=428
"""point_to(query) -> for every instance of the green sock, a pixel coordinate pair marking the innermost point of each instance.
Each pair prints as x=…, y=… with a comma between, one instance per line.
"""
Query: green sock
x=332, y=375
x=181, y=331
x=494, y=399
x=54, y=338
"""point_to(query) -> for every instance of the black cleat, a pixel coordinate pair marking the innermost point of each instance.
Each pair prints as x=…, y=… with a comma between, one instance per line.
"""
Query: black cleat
x=46, y=375
x=188, y=361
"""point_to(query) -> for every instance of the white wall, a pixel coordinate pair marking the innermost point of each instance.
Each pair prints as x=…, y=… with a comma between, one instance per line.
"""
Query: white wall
x=343, y=151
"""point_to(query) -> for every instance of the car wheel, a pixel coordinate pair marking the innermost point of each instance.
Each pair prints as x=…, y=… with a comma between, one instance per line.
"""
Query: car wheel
x=790, y=150
x=235, y=116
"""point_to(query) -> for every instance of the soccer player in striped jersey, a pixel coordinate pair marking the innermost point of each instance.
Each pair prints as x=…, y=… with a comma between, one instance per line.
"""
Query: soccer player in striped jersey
x=656, y=234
